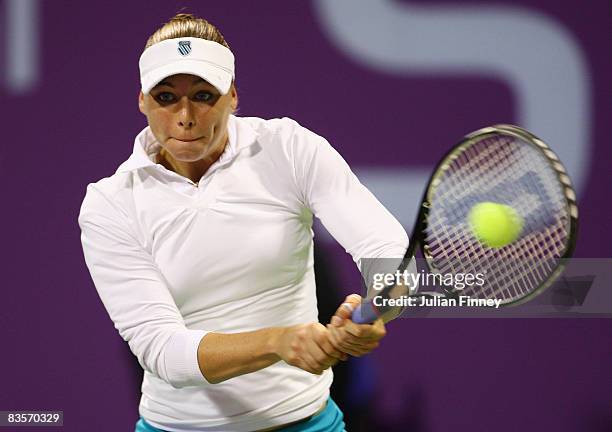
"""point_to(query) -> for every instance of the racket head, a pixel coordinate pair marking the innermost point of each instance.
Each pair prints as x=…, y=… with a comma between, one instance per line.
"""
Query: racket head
x=508, y=165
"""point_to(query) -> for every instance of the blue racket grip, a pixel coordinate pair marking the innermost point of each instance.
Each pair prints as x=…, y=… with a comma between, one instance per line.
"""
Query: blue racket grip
x=364, y=314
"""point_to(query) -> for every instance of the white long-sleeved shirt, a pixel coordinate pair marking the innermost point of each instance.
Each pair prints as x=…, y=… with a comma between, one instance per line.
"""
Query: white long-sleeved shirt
x=173, y=260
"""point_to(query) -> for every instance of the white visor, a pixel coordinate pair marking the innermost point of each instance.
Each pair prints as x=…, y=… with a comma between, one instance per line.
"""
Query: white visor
x=209, y=60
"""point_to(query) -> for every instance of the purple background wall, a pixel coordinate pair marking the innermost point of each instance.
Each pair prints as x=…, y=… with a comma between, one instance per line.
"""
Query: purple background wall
x=76, y=123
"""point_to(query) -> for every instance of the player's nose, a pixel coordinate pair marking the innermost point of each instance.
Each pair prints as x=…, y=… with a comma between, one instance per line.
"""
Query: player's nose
x=186, y=114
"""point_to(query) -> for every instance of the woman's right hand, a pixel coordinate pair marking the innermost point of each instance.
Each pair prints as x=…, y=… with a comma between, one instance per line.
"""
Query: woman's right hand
x=309, y=347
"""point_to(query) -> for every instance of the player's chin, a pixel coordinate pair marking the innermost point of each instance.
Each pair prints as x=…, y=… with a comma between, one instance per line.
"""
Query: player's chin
x=190, y=151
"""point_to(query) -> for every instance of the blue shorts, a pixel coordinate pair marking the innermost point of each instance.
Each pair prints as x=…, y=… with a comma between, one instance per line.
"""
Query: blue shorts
x=328, y=420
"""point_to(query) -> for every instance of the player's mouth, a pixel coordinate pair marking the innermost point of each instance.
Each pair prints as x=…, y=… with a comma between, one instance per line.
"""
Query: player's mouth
x=188, y=139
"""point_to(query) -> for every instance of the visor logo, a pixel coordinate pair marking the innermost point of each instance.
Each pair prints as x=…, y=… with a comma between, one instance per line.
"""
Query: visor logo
x=184, y=47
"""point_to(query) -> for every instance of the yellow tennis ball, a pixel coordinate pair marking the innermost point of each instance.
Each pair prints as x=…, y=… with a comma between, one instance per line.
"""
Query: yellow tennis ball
x=495, y=225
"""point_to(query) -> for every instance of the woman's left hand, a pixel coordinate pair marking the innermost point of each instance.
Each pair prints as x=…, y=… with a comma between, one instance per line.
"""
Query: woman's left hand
x=351, y=338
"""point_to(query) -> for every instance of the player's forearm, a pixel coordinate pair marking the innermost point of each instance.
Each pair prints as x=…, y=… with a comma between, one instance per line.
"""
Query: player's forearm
x=225, y=356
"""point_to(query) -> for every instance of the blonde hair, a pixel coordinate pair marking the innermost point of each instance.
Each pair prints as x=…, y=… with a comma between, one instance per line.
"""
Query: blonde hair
x=187, y=25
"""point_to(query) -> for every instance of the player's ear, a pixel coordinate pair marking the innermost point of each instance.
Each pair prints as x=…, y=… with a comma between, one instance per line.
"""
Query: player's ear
x=141, y=106
x=234, y=94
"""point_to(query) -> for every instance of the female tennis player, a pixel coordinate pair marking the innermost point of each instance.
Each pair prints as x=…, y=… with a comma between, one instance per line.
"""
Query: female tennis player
x=200, y=246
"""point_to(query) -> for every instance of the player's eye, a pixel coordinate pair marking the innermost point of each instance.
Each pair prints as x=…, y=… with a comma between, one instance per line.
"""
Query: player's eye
x=204, y=96
x=164, y=97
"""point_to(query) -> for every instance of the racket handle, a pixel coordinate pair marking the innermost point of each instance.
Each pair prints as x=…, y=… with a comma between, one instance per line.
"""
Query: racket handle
x=364, y=314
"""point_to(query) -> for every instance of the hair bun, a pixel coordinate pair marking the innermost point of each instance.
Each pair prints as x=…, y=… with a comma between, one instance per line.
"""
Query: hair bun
x=187, y=25
x=183, y=17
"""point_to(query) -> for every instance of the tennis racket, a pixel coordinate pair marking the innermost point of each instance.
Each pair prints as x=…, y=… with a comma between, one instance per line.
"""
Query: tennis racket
x=501, y=164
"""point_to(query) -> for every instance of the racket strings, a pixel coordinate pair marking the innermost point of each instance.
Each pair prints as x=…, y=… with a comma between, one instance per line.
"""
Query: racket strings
x=529, y=269
x=486, y=159
x=531, y=264
x=517, y=272
x=506, y=170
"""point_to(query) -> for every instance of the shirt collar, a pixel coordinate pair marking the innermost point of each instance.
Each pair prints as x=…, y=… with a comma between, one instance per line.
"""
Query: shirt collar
x=240, y=135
